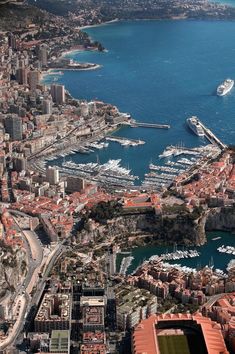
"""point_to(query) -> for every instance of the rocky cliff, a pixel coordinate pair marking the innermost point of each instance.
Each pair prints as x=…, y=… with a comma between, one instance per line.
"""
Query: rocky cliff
x=13, y=268
x=221, y=219
x=140, y=228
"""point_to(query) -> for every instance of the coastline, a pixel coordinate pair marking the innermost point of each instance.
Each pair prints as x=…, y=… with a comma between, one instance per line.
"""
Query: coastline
x=53, y=71
x=99, y=24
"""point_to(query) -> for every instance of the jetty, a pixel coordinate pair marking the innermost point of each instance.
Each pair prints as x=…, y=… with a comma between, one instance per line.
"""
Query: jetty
x=125, y=264
x=125, y=141
x=212, y=137
x=135, y=124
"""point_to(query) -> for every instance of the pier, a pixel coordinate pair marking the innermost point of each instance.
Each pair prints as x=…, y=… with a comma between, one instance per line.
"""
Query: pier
x=212, y=137
x=125, y=264
x=125, y=141
x=135, y=124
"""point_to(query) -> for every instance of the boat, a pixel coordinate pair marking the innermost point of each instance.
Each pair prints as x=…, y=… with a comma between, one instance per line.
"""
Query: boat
x=225, y=87
x=194, y=124
x=166, y=153
x=216, y=238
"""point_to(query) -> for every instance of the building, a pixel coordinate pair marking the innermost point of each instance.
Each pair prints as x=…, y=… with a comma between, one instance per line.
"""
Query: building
x=133, y=305
x=13, y=126
x=92, y=313
x=33, y=79
x=222, y=310
x=19, y=164
x=49, y=228
x=60, y=342
x=54, y=313
x=38, y=342
x=12, y=41
x=58, y=94
x=93, y=342
x=52, y=175
x=22, y=76
x=75, y=184
x=42, y=55
x=47, y=106
x=185, y=332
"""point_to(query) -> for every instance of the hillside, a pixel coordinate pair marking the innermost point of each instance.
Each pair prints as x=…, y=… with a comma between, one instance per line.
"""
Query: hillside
x=13, y=267
x=14, y=16
x=95, y=11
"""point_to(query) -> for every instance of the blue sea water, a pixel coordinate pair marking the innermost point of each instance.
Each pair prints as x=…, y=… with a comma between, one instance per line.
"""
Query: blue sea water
x=226, y=2
x=208, y=253
x=161, y=71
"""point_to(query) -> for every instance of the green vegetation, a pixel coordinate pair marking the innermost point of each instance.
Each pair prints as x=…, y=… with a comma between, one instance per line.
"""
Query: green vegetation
x=174, y=209
x=176, y=344
x=104, y=211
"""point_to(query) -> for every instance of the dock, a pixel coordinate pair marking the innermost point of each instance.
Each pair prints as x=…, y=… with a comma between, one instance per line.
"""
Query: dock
x=125, y=141
x=211, y=137
x=135, y=124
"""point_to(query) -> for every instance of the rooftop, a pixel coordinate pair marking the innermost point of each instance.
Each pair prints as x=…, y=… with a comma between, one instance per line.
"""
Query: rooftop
x=196, y=328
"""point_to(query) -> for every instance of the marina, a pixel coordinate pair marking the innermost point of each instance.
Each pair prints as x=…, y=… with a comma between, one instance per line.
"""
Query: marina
x=226, y=249
x=178, y=254
x=208, y=253
x=110, y=173
x=161, y=176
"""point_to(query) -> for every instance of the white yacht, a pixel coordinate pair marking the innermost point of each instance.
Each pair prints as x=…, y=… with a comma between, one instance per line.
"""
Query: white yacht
x=195, y=126
x=225, y=87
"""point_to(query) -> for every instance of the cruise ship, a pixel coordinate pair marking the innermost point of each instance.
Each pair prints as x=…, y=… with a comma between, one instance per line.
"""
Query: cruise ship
x=225, y=87
x=195, y=125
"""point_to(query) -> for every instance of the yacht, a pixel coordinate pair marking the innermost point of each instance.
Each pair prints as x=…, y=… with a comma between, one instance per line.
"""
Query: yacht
x=195, y=126
x=225, y=87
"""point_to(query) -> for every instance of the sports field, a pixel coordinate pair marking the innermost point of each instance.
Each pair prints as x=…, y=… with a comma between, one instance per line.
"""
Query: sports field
x=177, y=344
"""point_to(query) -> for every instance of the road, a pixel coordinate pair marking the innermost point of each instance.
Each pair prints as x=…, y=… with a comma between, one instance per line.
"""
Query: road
x=34, y=252
x=14, y=332
x=213, y=299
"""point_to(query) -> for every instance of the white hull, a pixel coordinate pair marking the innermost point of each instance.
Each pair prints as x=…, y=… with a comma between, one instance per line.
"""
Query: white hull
x=225, y=87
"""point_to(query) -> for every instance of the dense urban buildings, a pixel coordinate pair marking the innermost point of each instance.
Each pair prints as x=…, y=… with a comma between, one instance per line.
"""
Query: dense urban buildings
x=64, y=225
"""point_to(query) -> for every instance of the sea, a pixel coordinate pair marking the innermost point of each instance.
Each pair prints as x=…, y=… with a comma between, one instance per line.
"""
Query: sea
x=226, y=2
x=160, y=72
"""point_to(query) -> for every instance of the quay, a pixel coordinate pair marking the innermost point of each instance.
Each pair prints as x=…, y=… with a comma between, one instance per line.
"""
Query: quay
x=125, y=264
x=212, y=137
x=135, y=124
x=124, y=141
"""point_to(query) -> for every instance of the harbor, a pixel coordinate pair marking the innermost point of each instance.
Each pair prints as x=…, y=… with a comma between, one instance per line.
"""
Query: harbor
x=175, y=255
x=208, y=253
x=200, y=129
x=174, y=160
x=108, y=174
x=162, y=176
